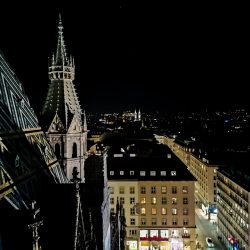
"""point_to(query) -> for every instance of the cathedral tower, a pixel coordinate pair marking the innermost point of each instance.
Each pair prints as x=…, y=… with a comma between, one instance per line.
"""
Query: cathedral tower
x=62, y=114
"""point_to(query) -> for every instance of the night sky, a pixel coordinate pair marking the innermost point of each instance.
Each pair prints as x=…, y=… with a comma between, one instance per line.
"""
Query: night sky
x=134, y=55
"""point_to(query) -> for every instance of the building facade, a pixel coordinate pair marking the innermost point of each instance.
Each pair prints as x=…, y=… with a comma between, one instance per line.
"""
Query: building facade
x=233, y=208
x=62, y=116
x=158, y=199
x=202, y=170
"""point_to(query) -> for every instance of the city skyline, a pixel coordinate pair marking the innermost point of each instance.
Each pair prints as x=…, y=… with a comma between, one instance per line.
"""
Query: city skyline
x=130, y=56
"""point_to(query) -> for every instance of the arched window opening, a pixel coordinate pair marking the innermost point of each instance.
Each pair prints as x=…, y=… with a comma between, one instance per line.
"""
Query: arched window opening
x=74, y=150
x=57, y=150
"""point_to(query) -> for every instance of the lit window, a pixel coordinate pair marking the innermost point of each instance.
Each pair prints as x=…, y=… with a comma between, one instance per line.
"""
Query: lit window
x=132, y=172
x=163, y=210
x=143, y=211
x=153, y=210
x=142, y=173
x=143, y=200
x=173, y=173
x=153, y=200
x=163, y=173
x=121, y=172
x=111, y=172
x=184, y=189
x=152, y=173
x=174, y=211
x=174, y=201
x=163, y=189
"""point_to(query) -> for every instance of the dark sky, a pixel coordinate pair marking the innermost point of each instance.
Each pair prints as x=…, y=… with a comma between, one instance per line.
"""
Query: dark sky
x=134, y=55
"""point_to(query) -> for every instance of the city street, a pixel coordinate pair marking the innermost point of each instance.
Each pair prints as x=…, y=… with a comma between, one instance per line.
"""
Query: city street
x=206, y=228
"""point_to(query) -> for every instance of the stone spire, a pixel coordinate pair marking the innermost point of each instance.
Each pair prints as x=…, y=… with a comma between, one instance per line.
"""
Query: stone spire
x=62, y=99
x=61, y=56
x=62, y=114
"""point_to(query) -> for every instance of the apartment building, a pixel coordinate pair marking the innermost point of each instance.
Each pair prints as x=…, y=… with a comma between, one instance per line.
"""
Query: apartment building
x=202, y=167
x=158, y=197
x=233, y=206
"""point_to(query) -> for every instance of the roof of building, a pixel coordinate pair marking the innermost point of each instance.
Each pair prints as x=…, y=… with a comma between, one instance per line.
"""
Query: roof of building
x=237, y=169
x=185, y=143
x=168, y=168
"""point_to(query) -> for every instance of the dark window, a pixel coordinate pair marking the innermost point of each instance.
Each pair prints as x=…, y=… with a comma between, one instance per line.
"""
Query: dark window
x=74, y=150
x=57, y=150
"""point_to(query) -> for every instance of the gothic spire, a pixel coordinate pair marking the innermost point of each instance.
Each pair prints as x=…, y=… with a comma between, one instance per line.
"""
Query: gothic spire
x=139, y=115
x=61, y=56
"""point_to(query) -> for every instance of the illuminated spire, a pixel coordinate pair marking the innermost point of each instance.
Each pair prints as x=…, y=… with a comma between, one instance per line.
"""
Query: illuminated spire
x=139, y=115
x=61, y=56
x=135, y=115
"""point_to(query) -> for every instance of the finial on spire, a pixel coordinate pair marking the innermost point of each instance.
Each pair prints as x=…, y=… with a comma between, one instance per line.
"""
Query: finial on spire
x=60, y=26
x=61, y=57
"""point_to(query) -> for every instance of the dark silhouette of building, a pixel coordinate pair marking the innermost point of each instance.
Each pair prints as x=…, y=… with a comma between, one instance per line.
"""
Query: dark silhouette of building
x=27, y=161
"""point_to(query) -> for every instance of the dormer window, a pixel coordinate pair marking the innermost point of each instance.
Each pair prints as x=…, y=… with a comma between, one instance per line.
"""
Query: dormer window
x=163, y=173
x=132, y=172
x=121, y=172
x=142, y=173
x=152, y=173
x=111, y=172
x=173, y=173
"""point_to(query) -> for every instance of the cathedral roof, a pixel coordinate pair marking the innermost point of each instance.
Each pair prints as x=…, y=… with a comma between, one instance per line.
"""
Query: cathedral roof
x=26, y=157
